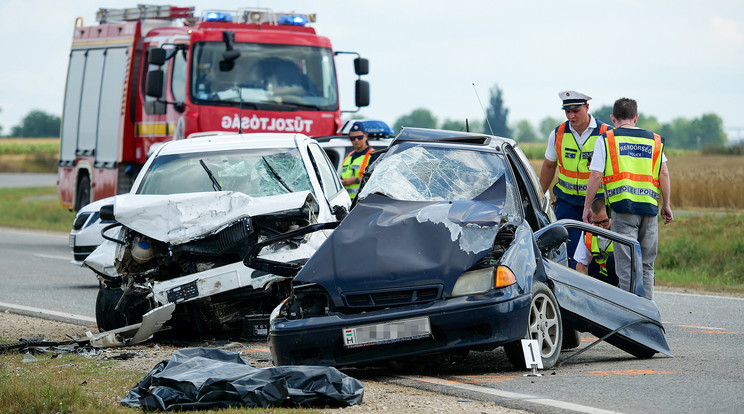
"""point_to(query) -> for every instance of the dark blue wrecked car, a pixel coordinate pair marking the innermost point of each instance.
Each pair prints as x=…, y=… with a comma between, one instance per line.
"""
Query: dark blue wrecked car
x=451, y=247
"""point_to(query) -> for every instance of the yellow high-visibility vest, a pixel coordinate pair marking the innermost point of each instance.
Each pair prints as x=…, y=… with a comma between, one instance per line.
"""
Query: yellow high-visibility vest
x=573, y=163
x=600, y=256
x=355, y=168
x=631, y=175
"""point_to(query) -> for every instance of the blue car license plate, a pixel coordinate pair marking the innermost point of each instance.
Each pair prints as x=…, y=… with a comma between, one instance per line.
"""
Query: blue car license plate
x=388, y=332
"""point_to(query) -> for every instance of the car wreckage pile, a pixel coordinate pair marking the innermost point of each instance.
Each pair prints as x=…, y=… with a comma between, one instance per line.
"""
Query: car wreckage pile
x=174, y=251
x=454, y=249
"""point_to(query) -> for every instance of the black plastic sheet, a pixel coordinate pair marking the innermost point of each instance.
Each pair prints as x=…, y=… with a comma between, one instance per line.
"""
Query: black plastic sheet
x=204, y=378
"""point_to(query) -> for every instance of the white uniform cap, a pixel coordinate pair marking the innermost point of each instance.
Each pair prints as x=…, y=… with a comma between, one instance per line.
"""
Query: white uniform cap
x=572, y=99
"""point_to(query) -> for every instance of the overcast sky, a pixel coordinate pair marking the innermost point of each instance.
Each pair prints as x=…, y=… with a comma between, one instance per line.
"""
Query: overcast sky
x=677, y=58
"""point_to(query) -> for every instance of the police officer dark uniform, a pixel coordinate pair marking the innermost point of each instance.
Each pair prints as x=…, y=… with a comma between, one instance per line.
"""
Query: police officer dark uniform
x=570, y=147
x=356, y=162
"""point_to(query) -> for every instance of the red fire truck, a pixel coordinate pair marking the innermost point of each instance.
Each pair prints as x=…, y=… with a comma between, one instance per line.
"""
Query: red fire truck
x=156, y=73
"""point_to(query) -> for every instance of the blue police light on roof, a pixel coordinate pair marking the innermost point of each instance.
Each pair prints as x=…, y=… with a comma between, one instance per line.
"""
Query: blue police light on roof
x=292, y=20
x=218, y=17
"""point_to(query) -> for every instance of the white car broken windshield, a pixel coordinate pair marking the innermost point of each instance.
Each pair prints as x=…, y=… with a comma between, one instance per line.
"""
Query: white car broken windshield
x=255, y=172
x=435, y=174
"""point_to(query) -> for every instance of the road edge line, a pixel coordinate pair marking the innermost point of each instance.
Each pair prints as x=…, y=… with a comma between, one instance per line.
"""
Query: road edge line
x=509, y=395
x=47, y=314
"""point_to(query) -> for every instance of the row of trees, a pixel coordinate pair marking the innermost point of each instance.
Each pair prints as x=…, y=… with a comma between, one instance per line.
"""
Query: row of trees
x=707, y=130
x=37, y=124
x=704, y=131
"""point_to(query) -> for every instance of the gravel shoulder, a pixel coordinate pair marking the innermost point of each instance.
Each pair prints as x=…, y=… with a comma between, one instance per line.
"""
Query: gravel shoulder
x=379, y=397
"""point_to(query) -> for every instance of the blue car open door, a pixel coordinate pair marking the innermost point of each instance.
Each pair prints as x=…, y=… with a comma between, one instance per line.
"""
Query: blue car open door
x=626, y=320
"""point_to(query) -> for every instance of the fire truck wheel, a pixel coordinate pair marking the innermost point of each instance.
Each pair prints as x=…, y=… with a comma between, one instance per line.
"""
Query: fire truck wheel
x=83, y=193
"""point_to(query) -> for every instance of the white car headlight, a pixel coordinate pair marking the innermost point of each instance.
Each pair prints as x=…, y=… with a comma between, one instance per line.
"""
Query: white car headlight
x=474, y=282
x=480, y=281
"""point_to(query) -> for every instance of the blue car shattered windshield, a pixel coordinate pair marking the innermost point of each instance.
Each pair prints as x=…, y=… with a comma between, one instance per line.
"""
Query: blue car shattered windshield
x=435, y=174
x=255, y=172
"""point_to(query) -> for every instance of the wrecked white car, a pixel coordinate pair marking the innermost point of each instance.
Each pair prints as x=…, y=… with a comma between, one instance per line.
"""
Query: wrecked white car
x=195, y=210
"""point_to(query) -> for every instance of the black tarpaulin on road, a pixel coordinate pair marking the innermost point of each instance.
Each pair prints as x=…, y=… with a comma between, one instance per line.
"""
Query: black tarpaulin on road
x=204, y=378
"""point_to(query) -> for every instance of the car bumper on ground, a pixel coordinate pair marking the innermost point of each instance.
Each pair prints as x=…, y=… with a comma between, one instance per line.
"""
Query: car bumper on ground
x=459, y=323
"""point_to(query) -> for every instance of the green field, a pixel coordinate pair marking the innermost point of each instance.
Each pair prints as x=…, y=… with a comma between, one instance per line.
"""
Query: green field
x=48, y=146
x=34, y=208
x=702, y=252
x=33, y=155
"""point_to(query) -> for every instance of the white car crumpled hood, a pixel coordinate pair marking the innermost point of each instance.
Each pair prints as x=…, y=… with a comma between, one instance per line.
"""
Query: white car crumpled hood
x=180, y=218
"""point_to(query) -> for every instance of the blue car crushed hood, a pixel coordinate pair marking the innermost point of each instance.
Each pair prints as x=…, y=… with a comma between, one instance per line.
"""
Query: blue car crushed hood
x=403, y=242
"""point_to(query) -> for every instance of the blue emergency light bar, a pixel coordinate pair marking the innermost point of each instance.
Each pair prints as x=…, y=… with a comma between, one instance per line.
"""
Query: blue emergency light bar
x=217, y=16
x=292, y=20
x=258, y=16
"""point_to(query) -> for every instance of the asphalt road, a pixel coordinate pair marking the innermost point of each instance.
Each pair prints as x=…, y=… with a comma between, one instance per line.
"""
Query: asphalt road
x=35, y=272
x=18, y=180
x=706, y=334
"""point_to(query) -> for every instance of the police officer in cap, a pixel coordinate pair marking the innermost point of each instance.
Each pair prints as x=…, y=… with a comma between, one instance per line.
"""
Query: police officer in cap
x=569, y=150
x=356, y=162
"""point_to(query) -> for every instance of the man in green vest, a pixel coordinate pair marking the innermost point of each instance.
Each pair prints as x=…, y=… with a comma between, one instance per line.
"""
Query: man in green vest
x=594, y=254
x=569, y=150
x=357, y=161
x=630, y=163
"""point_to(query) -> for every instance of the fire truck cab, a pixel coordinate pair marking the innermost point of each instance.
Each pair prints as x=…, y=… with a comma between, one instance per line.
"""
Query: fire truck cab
x=155, y=73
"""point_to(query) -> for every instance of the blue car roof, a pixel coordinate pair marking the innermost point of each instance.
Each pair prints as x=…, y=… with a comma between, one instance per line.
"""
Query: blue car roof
x=408, y=134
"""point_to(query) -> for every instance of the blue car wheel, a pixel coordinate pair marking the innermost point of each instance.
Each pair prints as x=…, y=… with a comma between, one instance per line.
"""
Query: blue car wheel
x=545, y=326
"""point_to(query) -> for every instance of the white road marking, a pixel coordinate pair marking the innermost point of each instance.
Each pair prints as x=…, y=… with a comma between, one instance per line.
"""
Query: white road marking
x=51, y=256
x=698, y=295
x=508, y=395
x=712, y=328
x=47, y=312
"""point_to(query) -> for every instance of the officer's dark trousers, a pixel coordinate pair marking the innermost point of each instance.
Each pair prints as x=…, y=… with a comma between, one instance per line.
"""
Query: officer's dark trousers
x=566, y=210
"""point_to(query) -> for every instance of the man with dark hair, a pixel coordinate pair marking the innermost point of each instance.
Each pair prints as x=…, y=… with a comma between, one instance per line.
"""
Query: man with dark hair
x=357, y=161
x=569, y=150
x=594, y=254
x=631, y=164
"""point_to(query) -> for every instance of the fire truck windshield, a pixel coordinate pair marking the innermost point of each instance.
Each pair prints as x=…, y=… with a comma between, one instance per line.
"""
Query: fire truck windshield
x=266, y=76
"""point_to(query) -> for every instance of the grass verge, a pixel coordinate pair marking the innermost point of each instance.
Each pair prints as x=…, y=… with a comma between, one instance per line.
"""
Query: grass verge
x=65, y=384
x=34, y=208
x=75, y=384
x=702, y=252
